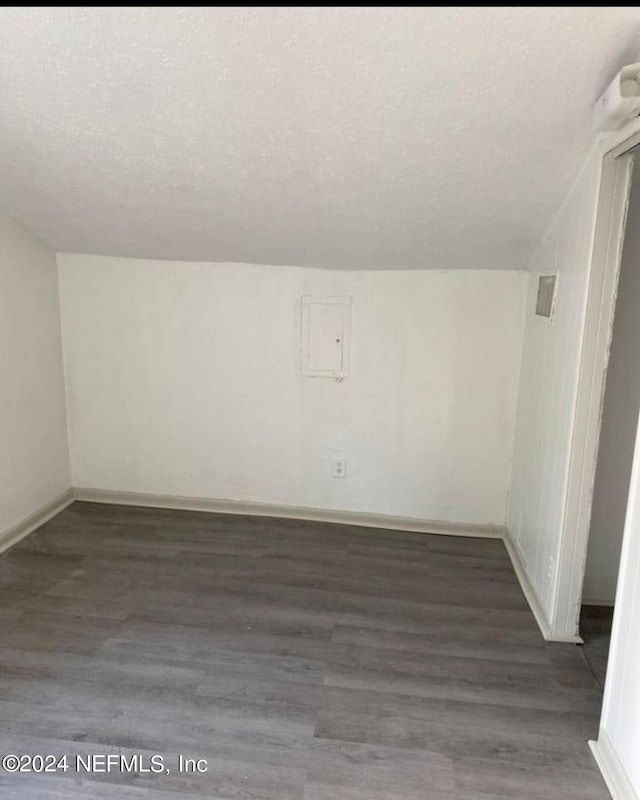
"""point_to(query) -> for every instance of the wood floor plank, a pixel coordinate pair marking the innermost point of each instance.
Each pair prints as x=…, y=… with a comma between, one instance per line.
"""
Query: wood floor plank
x=302, y=660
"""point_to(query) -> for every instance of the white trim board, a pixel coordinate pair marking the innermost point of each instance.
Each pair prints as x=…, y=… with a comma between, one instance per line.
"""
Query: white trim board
x=611, y=768
x=532, y=596
x=252, y=508
x=595, y=601
x=606, y=250
x=25, y=526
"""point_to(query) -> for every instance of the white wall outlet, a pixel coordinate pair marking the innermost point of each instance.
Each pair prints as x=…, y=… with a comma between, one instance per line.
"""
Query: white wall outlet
x=339, y=467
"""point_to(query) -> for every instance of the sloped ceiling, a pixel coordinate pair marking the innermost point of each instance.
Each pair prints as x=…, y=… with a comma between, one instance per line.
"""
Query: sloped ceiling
x=365, y=138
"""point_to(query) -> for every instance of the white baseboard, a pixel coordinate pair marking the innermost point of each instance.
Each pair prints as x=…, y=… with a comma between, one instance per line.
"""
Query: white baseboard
x=532, y=595
x=610, y=766
x=25, y=526
x=597, y=601
x=250, y=508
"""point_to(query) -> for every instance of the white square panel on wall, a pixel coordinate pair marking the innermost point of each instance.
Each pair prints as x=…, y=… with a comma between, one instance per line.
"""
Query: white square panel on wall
x=326, y=327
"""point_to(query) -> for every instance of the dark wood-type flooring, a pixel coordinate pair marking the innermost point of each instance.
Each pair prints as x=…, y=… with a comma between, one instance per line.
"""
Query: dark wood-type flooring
x=595, y=628
x=301, y=660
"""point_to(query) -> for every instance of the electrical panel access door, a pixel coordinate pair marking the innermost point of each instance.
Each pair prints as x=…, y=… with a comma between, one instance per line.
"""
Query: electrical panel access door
x=326, y=323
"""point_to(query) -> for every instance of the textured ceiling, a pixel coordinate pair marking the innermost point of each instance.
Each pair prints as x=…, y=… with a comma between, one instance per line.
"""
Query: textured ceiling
x=331, y=137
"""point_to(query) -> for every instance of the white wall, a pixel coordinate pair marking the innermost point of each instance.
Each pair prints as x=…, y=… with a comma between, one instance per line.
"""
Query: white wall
x=620, y=415
x=619, y=740
x=182, y=379
x=34, y=460
x=548, y=387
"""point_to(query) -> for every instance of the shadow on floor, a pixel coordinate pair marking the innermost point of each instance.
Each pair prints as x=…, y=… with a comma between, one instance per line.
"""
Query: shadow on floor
x=595, y=629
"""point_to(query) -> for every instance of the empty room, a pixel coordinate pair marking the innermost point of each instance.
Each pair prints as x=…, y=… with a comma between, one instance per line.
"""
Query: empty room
x=319, y=475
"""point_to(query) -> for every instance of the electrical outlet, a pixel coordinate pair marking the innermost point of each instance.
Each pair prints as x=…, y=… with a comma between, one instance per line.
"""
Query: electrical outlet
x=339, y=467
x=550, y=567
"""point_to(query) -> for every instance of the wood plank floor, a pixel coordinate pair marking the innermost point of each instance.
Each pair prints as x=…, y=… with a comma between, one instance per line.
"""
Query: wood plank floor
x=301, y=660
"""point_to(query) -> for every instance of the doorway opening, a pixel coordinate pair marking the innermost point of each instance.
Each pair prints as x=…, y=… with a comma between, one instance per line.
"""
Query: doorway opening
x=618, y=424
